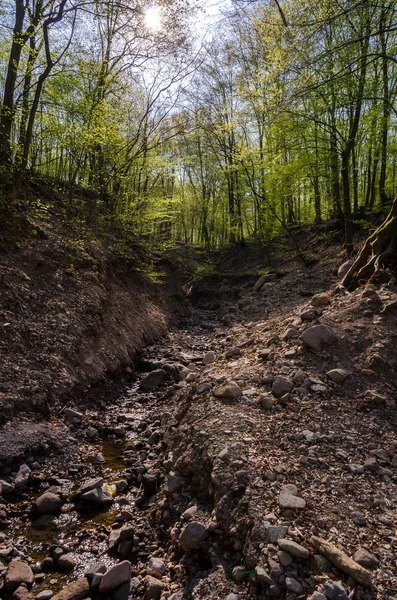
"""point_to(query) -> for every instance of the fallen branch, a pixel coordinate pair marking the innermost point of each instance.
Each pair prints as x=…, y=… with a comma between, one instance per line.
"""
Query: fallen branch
x=342, y=561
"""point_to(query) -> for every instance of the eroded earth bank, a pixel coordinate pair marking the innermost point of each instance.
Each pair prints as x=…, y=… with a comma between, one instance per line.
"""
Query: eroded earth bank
x=252, y=455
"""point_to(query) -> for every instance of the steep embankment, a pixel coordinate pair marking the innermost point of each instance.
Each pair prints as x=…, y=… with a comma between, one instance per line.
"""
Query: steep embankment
x=73, y=319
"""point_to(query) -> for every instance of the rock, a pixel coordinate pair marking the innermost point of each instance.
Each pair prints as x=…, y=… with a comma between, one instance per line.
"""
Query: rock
x=189, y=513
x=45, y=595
x=266, y=354
x=48, y=563
x=92, y=433
x=209, y=358
x=317, y=596
x=233, y=353
x=338, y=375
x=156, y=567
x=293, y=548
x=192, y=536
x=98, y=567
x=267, y=278
x=320, y=564
x=66, y=562
x=281, y=386
x=229, y=597
x=153, y=588
x=203, y=387
x=275, y=532
x=310, y=436
x=45, y=522
x=90, y=484
x=344, y=268
x=122, y=593
x=320, y=300
x=342, y=561
x=48, y=504
x=293, y=585
x=153, y=380
x=96, y=580
x=115, y=577
x=6, y=488
x=289, y=333
x=239, y=574
x=228, y=390
x=359, y=519
x=119, y=535
x=98, y=496
x=289, y=499
x=77, y=590
x=121, y=485
x=173, y=484
x=100, y=459
x=334, y=590
x=179, y=596
x=22, y=477
x=357, y=469
x=366, y=559
x=284, y=558
x=262, y=576
x=318, y=337
x=308, y=314
x=72, y=415
x=22, y=593
x=266, y=401
x=18, y=573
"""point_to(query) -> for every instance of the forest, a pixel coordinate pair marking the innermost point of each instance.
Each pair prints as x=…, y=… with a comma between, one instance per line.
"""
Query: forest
x=273, y=115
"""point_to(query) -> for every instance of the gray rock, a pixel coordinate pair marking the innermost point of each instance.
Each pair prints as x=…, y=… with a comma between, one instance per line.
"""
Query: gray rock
x=209, y=358
x=308, y=315
x=90, y=484
x=119, y=535
x=153, y=588
x=263, y=576
x=22, y=477
x=357, y=469
x=366, y=559
x=153, y=380
x=98, y=496
x=66, y=562
x=293, y=585
x=100, y=459
x=359, y=519
x=173, y=484
x=98, y=567
x=45, y=595
x=318, y=337
x=96, y=580
x=266, y=354
x=266, y=401
x=92, y=433
x=233, y=353
x=116, y=576
x=334, y=590
x=179, y=596
x=275, y=532
x=203, y=387
x=310, y=436
x=192, y=536
x=156, y=567
x=7, y=488
x=121, y=485
x=338, y=375
x=293, y=548
x=284, y=558
x=189, y=513
x=72, y=415
x=48, y=504
x=281, y=386
x=288, y=498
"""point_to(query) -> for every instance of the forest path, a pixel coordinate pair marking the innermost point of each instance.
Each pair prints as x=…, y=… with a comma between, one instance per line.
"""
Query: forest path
x=233, y=446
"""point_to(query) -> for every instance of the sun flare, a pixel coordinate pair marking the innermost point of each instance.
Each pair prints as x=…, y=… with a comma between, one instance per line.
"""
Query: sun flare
x=153, y=18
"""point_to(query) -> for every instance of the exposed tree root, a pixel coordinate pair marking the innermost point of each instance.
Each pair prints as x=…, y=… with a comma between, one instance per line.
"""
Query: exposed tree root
x=379, y=250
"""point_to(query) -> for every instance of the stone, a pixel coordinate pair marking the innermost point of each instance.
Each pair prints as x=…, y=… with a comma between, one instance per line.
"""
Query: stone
x=203, y=387
x=18, y=573
x=372, y=465
x=48, y=504
x=293, y=548
x=92, y=433
x=45, y=595
x=156, y=567
x=318, y=337
x=229, y=597
x=6, y=488
x=275, y=532
x=267, y=278
x=153, y=588
x=57, y=553
x=366, y=559
x=209, y=358
x=90, y=484
x=153, y=380
x=179, y=596
x=317, y=596
x=357, y=469
x=320, y=300
x=72, y=415
x=98, y=496
x=173, y=484
x=239, y=574
x=66, y=562
x=359, y=519
x=308, y=315
x=48, y=563
x=338, y=375
x=320, y=564
x=344, y=268
x=233, y=353
x=334, y=590
x=310, y=436
x=192, y=536
x=22, y=477
x=228, y=390
x=281, y=386
x=284, y=558
x=266, y=354
x=266, y=401
x=77, y=590
x=293, y=585
x=121, y=485
x=289, y=499
x=262, y=576
x=96, y=580
x=122, y=593
x=189, y=513
x=115, y=577
x=98, y=567
x=119, y=535
x=22, y=593
x=45, y=522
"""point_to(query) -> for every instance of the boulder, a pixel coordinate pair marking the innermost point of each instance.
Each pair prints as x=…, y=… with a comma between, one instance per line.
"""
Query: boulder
x=18, y=573
x=48, y=504
x=77, y=590
x=22, y=593
x=192, y=536
x=318, y=337
x=366, y=559
x=115, y=577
